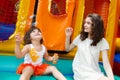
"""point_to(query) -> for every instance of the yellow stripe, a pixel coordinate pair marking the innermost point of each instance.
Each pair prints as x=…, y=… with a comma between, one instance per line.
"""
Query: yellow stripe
x=112, y=27
x=22, y=17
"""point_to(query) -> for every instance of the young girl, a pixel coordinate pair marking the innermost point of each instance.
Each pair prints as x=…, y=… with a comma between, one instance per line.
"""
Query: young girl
x=90, y=42
x=33, y=53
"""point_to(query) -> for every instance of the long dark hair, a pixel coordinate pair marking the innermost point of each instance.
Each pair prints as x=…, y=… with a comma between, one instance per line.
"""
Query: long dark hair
x=97, y=29
x=27, y=39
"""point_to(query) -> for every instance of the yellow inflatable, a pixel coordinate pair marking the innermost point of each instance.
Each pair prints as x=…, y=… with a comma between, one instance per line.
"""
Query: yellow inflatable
x=25, y=10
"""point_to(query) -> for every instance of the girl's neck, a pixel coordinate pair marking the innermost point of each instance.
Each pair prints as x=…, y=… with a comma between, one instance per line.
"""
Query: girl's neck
x=36, y=43
x=89, y=36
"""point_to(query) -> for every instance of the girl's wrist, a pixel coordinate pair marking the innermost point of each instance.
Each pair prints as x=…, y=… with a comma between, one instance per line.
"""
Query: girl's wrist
x=55, y=58
x=17, y=44
x=67, y=36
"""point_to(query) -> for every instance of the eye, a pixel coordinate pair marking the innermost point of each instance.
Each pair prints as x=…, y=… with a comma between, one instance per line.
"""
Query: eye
x=88, y=23
x=33, y=31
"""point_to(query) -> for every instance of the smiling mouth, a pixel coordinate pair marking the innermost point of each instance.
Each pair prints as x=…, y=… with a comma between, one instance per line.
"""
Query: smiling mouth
x=37, y=34
x=85, y=28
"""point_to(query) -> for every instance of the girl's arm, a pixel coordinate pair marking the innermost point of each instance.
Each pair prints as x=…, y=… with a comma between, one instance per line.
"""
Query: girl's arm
x=107, y=65
x=47, y=57
x=68, y=33
x=21, y=53
x=18, y=52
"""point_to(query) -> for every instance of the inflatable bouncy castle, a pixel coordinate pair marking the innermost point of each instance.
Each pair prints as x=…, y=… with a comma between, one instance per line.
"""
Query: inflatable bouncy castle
x=52, y=17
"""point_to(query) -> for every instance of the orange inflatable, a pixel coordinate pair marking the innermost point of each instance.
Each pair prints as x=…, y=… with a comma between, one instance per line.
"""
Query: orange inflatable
x=52, y=18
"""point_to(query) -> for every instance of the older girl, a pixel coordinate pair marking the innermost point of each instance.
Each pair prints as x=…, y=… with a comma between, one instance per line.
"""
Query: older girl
x=90, y=42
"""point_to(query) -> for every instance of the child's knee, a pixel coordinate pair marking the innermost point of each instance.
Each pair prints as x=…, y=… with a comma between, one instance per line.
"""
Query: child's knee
x=53, y=67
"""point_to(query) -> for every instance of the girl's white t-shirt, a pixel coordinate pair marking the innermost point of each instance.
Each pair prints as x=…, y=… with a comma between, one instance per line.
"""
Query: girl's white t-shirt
x=34, y=57
x=85, y=63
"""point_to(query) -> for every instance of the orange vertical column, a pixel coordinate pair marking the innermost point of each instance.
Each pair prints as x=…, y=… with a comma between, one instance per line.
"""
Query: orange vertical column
x=102, y=8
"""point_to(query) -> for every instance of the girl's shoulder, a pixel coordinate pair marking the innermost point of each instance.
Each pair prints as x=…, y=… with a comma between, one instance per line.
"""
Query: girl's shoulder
x=103, y=40
x=77, y=37
x=28, y=46
x=103, y=44
x=76, y=40
x=43, y=46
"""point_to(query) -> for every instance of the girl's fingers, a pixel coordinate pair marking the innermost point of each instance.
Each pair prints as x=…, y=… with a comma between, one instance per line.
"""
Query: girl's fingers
x=69, y=29
x=18, y=37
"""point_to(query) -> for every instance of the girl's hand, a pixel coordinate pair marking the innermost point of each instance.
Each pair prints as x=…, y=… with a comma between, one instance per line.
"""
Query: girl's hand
x=68, y=31
x=55, y=58
x=18, y=38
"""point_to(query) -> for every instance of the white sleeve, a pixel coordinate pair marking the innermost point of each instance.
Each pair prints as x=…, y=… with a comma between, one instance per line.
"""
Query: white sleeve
x=76, y=40
x=104, y=44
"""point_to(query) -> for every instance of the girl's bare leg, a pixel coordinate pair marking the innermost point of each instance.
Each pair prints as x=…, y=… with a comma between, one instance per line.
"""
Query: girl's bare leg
x=26, y=73
x=55, y=72
x=103, y=78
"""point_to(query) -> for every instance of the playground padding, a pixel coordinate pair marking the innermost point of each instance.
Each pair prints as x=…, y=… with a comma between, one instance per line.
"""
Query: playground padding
x=9, y=65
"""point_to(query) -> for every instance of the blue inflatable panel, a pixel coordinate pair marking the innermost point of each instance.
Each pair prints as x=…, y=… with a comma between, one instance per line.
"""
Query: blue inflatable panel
x=117, y=57
x=6, y=30
x=116, y=67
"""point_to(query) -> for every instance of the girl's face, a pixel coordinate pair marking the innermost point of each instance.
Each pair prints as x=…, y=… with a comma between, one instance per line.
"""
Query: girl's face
x=87, y=25
x=36, y=35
